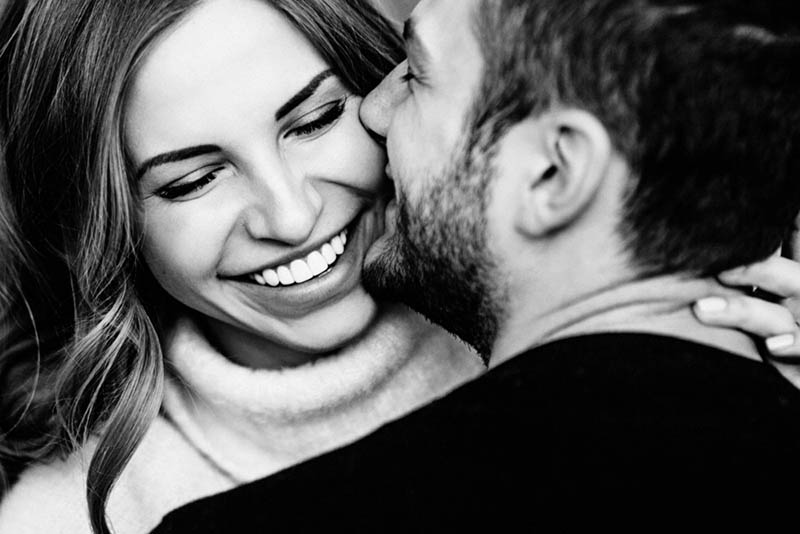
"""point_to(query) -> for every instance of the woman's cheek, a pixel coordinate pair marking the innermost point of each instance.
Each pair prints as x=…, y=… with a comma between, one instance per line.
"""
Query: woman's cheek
x=347, y=155
x=181, y=248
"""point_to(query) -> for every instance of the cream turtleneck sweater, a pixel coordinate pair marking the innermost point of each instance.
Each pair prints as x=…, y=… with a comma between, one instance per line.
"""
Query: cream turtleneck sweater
x=223, y=424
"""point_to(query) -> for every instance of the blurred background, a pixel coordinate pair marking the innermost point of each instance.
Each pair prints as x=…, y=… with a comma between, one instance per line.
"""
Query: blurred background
x=394, y=9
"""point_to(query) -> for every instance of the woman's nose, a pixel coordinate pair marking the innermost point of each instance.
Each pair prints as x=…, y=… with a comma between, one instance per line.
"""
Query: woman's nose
x=283, y=208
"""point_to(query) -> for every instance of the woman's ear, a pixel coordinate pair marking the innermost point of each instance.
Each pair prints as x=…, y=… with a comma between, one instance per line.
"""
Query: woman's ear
x=567, y=158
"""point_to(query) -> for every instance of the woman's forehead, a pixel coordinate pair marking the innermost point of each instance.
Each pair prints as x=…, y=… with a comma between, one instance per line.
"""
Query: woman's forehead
x=231, y=58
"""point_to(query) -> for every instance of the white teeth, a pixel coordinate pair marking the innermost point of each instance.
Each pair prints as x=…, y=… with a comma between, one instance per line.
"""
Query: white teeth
x=338, y=246
x=285, y=275
x=328, y=253
x=271, y=277
x=317, y=263
x=300, y=271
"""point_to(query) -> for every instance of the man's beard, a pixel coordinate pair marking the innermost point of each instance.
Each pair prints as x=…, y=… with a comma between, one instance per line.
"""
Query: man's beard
x=437, y=261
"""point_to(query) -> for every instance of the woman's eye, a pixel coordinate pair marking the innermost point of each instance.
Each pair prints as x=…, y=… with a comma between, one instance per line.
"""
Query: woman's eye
x=176, y=191
x=320, y=120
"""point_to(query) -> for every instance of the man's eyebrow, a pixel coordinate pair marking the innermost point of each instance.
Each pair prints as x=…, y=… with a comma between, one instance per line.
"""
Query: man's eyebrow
x=303, y=94
x=413, y=43
x=175, y=155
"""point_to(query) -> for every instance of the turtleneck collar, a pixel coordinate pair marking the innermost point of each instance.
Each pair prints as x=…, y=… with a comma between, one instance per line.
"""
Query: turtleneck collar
x=250, y=423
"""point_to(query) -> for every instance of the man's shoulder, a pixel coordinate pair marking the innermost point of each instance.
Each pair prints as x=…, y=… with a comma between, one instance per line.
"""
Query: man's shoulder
x=608, y=387
x=619, y=372
x=644, y=361
x=611, y=410
x=641, y=399
x=616, y=417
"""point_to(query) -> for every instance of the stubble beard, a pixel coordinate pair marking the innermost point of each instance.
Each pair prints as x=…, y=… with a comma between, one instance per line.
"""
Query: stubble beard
x=438, y=262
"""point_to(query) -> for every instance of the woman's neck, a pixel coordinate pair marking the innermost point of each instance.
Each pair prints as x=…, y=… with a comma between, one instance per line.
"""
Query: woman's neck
x=257, y=352
x=271, y=419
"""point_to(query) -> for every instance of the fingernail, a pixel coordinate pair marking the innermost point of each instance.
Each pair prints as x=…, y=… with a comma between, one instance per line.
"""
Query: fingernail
x=781, y=342
x=711, y=305
x=732, y=274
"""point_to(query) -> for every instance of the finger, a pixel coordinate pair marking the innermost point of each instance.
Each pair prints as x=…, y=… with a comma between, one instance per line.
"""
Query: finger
x=784, y=345
x=790, y=370
x=780, y=276
x=754, y=316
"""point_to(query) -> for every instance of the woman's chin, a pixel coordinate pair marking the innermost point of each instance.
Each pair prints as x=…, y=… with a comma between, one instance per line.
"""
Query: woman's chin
x=331, y=330
x=271, y=343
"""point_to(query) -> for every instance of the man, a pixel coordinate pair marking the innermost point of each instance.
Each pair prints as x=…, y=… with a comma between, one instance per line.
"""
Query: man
x=568, y=174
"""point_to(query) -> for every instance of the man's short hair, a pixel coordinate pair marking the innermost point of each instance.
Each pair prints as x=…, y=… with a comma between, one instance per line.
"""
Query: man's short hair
x=702, y=98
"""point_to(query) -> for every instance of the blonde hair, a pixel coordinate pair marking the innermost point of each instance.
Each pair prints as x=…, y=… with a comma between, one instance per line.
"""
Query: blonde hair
x=79, y=345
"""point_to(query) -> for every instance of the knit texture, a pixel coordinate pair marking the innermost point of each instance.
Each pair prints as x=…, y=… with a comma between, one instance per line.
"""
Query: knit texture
x=224, y=424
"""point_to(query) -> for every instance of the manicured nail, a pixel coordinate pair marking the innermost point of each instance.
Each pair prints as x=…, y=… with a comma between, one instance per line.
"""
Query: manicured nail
x=778, y=343
x=711, y=305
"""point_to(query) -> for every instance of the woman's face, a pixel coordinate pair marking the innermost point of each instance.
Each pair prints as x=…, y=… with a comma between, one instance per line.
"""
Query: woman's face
x=261, y=191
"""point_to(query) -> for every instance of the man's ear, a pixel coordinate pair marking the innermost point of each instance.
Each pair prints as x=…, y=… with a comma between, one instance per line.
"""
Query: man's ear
x=571, y=155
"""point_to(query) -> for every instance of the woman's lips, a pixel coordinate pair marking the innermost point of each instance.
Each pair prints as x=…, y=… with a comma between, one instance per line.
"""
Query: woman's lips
x=332, y=242
x=301, y=270
x=298, y=299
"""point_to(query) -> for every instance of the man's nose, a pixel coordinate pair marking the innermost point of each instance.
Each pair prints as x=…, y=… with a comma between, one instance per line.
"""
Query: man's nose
x=379, y=105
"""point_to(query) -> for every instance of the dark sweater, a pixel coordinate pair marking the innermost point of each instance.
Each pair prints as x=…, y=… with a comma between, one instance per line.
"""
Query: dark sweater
x=623, y=420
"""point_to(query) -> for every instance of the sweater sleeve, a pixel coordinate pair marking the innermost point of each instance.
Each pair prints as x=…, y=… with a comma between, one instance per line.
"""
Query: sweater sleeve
x=164, y=473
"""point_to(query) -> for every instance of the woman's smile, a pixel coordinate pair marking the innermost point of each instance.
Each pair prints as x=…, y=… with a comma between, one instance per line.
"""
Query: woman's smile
x=302, y=270
x=299, y=266
x=309, y=280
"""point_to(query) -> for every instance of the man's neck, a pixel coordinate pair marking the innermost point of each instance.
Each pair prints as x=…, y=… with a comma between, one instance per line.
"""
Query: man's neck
x=657, y=305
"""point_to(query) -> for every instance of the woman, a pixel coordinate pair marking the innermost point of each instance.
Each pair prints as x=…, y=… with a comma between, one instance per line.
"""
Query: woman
x=166, y=161
x=191, y=196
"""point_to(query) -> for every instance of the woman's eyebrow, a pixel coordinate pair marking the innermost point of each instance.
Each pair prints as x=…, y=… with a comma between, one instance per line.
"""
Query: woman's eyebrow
x=175, y=155
x=190, y=152
x=303, y=94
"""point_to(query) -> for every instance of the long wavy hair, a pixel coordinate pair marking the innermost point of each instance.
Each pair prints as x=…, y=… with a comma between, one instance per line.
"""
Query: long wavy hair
x=80, y=354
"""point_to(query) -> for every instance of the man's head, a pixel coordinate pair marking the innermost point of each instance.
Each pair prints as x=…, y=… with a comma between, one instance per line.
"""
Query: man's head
x=518, y=126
